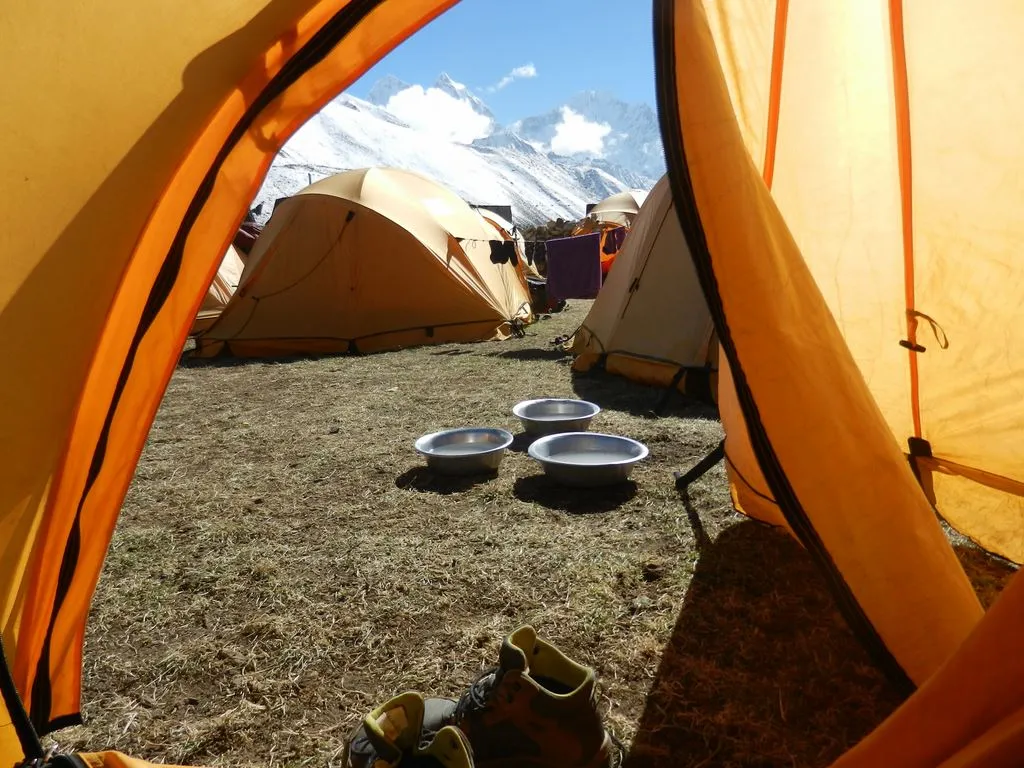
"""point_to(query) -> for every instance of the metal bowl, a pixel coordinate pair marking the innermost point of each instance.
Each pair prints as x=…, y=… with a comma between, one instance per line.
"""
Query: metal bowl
x=549, y=415
x=466, y=451
x=587, y=459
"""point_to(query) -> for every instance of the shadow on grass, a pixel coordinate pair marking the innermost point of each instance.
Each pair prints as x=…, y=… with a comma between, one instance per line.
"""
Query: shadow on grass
x=451, y=352
x=617, y=393
x=425, y=481
x=760, y=669
x=539, y=489
x=533, y=353
x=521, y=443
x=225, y=361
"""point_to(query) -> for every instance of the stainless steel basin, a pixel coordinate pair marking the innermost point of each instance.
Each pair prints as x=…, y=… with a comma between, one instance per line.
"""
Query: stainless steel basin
x=465, y=451
x=550, y=415
x=587, y=459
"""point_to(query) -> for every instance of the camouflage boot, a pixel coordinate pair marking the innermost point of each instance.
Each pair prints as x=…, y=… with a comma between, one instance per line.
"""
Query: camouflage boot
x=392, y=736
x=537, y=709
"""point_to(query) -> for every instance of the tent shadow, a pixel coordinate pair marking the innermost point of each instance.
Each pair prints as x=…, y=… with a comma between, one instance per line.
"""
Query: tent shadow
x=451, y=352
x=423, y=480
x=760, y=668
x=533, y=353
x=617, y=393
x=539, y=489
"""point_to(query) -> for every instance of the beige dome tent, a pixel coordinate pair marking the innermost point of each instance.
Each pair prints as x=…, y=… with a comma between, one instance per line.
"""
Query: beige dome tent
x=369, y=260
x=620, y=208
x=223, y=287
x=650, y=322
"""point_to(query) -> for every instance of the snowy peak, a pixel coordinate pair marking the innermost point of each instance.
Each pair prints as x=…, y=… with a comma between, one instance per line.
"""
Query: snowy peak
x=460, y=92
x=384, y=89
x=505, y=140
x=599, y=125
x=447, y=109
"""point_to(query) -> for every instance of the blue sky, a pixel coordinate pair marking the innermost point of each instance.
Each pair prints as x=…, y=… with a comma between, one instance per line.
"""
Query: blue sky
x=572, y=45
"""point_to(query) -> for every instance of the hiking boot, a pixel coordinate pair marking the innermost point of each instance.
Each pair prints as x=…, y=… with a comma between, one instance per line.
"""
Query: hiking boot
x=536, y=709
x=392, y=736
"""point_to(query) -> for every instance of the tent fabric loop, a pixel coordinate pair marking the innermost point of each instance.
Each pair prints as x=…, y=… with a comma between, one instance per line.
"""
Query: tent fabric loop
x=940, y=333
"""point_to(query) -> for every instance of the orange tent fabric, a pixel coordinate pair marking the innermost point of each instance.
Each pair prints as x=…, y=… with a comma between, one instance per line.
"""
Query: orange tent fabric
x=886, y=151
x=176, y=152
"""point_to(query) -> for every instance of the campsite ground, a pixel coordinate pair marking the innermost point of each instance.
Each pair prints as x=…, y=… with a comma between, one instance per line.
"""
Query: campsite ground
x=283, y=564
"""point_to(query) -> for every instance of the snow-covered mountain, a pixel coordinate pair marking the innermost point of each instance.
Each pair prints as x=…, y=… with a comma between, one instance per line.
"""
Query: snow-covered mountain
x=471, y=154
x=632, y=138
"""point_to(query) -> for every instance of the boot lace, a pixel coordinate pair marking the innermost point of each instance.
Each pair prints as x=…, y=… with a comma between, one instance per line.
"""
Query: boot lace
x=478, y=696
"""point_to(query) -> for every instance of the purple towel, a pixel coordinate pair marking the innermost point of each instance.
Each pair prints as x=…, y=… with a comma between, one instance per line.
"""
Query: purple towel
x=574, y=267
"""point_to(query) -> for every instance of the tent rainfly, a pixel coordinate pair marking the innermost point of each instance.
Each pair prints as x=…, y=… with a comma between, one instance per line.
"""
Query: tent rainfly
x=650, y=322
x=619, y=209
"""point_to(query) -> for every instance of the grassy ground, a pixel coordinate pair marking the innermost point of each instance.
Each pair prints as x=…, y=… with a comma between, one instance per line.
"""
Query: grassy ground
x=283, y=564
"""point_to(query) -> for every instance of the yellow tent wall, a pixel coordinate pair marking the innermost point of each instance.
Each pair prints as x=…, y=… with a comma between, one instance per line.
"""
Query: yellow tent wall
x=821, y=442
x=649, y=322
x=887, y=153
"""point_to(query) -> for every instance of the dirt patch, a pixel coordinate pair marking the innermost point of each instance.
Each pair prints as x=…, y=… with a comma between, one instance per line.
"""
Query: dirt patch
x=284, y=563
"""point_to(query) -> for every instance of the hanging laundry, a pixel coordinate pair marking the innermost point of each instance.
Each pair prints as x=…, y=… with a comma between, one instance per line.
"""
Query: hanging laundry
x=503, y=252
x=574, y=267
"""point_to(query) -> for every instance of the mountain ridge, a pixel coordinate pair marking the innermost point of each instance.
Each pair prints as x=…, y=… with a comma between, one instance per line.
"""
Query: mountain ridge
x=500, y=168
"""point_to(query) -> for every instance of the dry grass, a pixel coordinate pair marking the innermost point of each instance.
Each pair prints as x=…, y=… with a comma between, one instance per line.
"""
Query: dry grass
x=283, y=564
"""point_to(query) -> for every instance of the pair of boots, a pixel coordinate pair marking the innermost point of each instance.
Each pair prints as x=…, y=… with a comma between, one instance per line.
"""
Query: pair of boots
x=536, y=709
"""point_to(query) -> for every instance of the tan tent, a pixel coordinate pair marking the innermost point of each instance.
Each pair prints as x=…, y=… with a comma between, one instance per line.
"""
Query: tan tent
x=847, y=178
x=620, y=208
x=510, y=232
x=369, y=260
x=650, y=322
x=223, y=287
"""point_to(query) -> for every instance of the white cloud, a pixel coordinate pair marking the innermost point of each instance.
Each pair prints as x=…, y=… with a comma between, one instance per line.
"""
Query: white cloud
x=434, y=111
x=576, y=135
x=523, y=72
